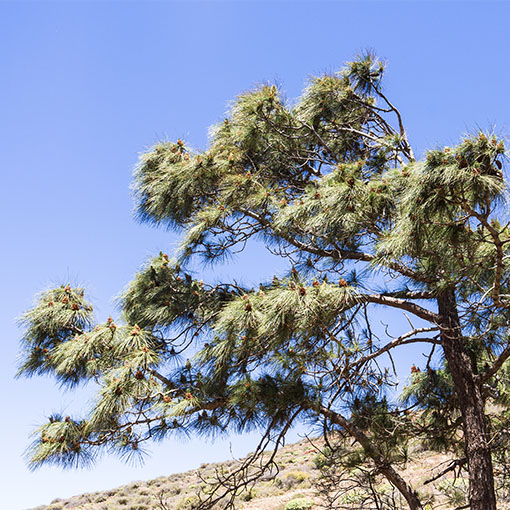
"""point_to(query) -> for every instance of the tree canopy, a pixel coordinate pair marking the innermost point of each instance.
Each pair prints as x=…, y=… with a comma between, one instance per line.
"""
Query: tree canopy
x=330, y=183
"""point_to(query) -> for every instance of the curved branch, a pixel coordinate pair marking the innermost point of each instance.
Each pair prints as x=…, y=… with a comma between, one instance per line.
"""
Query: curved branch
x=379, y=459
x=337, y=253
x=401, y=340
x=505, y=354
x=402, y=304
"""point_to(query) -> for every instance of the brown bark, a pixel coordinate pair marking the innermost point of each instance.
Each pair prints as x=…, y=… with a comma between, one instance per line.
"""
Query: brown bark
x=380, y=461
x=471, y=403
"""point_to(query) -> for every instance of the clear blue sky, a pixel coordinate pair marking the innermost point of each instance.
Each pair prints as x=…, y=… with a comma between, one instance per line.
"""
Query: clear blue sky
x=85, y=87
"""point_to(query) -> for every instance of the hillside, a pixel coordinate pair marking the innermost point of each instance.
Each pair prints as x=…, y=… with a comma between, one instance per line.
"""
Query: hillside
x=296, y=480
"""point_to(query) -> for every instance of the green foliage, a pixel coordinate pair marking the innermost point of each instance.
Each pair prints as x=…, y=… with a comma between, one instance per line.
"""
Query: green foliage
x=455, y=490
x=432, y=391
x=300, y=504
x=187, y=503
x=60, y=314
x=249, y=495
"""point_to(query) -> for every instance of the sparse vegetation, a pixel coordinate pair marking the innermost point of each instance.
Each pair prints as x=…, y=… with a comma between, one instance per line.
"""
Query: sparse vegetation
x=299, y=504
x=179, y=491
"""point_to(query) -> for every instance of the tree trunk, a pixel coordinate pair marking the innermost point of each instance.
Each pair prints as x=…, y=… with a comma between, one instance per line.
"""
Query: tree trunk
x=471, y=403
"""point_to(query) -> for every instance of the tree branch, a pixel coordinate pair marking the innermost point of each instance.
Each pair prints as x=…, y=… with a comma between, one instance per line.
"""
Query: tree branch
x=453, y=464
x=379, y=459
x=336, y=253
x=402, y=304
x=401, y=340
x=505, y=354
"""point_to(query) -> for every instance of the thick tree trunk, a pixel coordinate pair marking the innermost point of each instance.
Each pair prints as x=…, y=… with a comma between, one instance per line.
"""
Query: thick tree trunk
x=468, y=390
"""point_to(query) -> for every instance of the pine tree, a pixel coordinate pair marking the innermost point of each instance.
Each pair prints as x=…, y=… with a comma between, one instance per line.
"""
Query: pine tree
x=329, y=183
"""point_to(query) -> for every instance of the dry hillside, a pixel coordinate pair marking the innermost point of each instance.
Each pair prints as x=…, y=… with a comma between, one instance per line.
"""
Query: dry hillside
x=292, y=488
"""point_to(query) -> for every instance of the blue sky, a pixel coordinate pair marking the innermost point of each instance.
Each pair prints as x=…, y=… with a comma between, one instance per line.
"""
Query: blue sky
x=87, y=86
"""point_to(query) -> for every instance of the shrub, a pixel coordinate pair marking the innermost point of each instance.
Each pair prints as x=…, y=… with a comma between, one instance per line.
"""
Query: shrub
x=454, y=490
x=278, y=482
x=298, y=476
x=248, y=495
x=187, y=503
x=354, y=497
x=299, y=504
x=293, y=478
